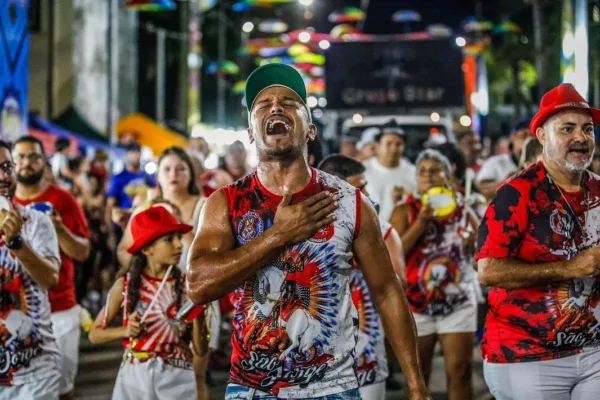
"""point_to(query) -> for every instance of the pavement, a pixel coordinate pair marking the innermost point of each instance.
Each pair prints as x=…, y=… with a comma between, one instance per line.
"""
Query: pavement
x=99, y=364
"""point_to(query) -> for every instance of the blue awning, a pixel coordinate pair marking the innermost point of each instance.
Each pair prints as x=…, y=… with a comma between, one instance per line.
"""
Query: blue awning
x=42, y=124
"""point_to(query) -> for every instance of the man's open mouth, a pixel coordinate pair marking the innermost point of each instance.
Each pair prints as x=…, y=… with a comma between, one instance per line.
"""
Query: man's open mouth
x=278, y=127
x=579, y=151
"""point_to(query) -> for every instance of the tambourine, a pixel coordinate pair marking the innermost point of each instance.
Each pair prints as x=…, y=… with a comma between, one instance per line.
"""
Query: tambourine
x=442, y=200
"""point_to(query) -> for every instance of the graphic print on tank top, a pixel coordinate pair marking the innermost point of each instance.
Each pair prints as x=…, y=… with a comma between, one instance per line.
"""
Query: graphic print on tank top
x=20, y=337
x=294, y=324
x=370, y=354
x=438, y=273
x=529, y=220
x=163, y=335
x=27, y=347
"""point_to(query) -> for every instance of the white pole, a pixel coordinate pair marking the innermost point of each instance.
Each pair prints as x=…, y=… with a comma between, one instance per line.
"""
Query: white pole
x=161, y=36
x=582, y=80
x=113, y=96
x=221, y=83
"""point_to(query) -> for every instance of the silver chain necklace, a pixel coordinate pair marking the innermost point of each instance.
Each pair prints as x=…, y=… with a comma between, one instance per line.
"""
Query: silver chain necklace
x=587, y=204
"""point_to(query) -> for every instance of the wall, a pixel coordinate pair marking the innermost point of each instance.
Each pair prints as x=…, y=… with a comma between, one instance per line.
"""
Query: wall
x=51, y=88
x=91, y=61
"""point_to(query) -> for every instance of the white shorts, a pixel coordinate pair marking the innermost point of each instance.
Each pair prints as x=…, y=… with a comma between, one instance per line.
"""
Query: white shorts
x=41, y=389
x=462, y=320
x=154, y=380
x=66, y=327
x=570, y=378
x=375, y=391
x=213, y=319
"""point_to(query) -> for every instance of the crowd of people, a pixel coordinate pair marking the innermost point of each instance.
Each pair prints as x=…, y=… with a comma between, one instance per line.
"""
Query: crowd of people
x=326, y=270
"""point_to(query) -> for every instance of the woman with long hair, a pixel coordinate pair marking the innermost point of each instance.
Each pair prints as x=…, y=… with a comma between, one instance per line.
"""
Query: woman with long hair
x=161, y=340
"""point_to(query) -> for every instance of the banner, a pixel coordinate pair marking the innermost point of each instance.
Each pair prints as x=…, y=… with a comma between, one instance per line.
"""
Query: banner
x=14, y=68
x=384, y=74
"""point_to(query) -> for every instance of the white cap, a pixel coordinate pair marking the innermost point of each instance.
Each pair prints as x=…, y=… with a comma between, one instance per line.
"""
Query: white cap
x=368, y=136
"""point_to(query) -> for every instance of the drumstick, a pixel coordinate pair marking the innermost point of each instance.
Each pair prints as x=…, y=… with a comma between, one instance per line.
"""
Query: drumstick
x=106, y=310
x=162, y=283
x=469, y=175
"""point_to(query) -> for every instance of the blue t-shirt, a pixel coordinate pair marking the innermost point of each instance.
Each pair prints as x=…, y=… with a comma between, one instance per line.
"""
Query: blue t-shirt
x=126, y=185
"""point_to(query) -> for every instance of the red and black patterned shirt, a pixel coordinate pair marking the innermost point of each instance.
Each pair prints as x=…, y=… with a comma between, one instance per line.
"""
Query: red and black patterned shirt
x=530, y=220
x=439, y=270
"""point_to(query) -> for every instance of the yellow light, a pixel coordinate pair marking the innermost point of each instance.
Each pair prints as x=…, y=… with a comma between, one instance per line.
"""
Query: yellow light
x=357, y=118
x=435, y=117
x=465, y=120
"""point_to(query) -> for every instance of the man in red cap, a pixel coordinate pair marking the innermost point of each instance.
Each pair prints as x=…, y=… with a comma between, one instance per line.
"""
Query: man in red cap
x=284, y=238
x=539, y=251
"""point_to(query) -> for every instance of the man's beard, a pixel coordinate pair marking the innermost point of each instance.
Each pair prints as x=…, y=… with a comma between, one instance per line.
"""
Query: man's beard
x=9, y=187
x=30, y=180
x=277, y=152
x=551, y=153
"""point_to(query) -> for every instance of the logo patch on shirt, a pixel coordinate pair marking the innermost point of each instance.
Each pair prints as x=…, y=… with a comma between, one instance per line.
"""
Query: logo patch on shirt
x=561, y=223
x=250, y=227
x=323, y=235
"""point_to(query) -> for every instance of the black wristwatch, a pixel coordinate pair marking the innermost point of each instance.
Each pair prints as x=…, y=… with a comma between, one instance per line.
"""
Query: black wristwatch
x=15, y=244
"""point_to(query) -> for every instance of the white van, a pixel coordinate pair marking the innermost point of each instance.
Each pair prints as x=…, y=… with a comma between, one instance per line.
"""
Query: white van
x=420, y=130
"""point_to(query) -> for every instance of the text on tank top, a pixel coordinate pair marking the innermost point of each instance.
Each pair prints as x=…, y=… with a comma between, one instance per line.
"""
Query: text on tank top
x=370, y=354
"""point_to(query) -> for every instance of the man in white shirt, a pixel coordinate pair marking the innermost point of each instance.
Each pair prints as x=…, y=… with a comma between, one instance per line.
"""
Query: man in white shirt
x=389, y=174
x=497, y=169
x=367, y=145
x=29, y=265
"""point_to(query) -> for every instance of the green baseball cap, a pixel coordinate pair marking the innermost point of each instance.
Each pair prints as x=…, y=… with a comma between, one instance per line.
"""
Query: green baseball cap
x=270, y=75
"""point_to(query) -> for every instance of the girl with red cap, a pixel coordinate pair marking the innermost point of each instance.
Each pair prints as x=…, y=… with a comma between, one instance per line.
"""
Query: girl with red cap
x=159, y=354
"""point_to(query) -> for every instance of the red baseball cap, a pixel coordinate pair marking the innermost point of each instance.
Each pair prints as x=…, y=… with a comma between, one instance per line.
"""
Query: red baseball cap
x=561, y=98
x=152, y=224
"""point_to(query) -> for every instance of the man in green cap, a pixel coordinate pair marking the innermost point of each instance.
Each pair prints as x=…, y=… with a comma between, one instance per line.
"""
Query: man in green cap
x=284, y=238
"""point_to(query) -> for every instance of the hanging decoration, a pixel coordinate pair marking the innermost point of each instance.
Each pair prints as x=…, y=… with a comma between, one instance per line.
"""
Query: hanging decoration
x=472, y=24
x=151, y=5
x=253, y=46
x=406, y=16
x=273, y=26
x=342, y=30
x=348, y=14
x=297, y=49
x=223, y=68
x=204, y=5
x=507, y=27
x=239, y=87
x=316, y=86
x=439, y=30
x=310, y=58
x=273, y=51
x=246, y=5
